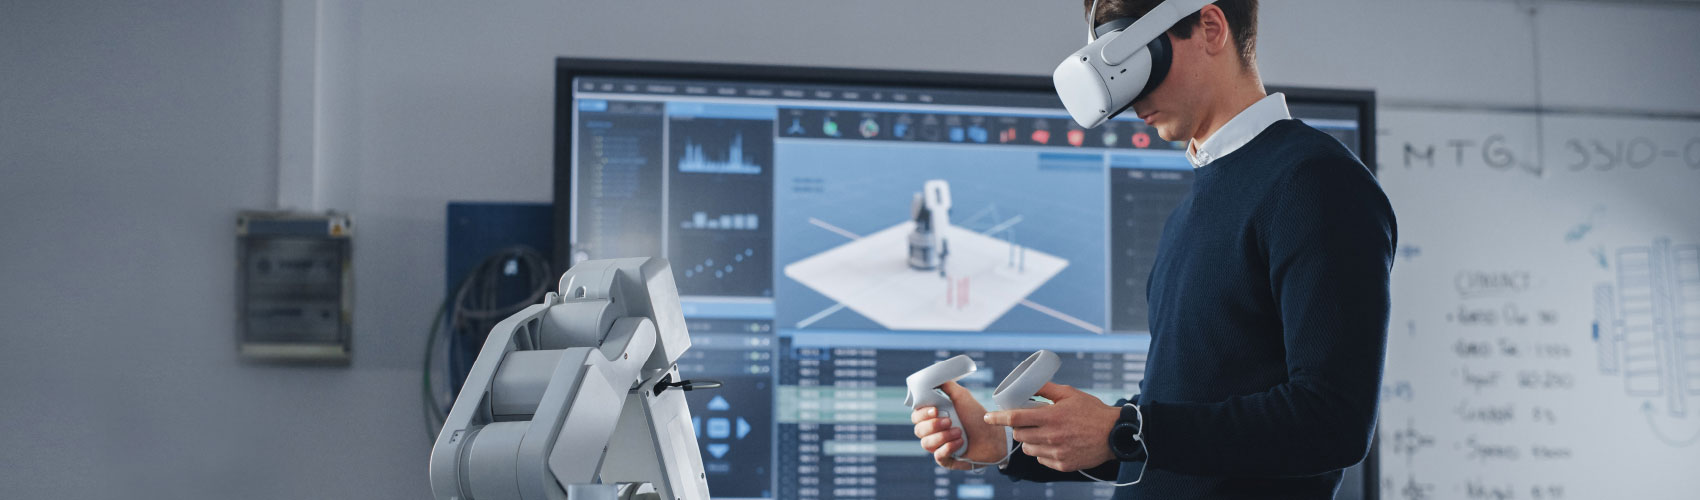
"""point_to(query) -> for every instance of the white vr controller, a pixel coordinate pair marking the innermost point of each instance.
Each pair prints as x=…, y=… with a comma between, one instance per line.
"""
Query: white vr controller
x=1015, y=392
x=924, y=389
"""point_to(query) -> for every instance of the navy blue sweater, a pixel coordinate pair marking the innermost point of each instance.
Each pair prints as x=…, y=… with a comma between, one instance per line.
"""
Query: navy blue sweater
x=1269, y=304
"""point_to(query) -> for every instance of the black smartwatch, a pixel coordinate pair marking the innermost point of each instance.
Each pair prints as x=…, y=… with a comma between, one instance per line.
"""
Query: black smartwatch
x=1125, y=440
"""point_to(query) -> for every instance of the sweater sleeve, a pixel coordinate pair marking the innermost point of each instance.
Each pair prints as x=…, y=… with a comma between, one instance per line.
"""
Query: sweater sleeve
x=1329, y=233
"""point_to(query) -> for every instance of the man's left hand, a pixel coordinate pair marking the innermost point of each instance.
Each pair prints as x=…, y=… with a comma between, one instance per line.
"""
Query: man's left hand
x=1070, y=434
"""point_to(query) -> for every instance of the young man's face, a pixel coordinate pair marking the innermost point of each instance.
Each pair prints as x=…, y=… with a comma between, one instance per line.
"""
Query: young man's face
x=1172, y=107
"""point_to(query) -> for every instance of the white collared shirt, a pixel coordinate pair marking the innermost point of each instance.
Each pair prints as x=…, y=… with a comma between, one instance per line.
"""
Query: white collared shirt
x=1239, y=130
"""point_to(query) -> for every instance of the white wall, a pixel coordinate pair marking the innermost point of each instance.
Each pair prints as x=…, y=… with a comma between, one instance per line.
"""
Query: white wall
x=130, y=134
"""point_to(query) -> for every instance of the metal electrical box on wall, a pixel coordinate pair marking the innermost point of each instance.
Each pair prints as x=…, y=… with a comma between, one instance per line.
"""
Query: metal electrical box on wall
x=295, y=287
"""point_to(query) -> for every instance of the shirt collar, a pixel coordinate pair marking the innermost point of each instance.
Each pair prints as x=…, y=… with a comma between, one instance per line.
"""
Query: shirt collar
x=1239, y=130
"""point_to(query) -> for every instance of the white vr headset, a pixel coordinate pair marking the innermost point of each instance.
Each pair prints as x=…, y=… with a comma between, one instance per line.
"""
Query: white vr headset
x=1122, y=61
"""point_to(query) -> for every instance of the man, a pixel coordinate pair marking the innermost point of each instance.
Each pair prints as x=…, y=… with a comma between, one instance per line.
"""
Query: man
x=1268, y=304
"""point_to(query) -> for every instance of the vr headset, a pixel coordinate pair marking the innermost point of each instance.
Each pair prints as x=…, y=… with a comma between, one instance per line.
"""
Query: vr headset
x=1122, y=61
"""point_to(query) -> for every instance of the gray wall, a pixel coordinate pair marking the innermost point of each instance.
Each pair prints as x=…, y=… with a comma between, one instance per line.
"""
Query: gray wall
x=131, y=133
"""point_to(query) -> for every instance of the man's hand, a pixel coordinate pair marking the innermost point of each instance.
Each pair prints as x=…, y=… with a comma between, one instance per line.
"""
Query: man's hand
x=942, y=437
x=1073, y=433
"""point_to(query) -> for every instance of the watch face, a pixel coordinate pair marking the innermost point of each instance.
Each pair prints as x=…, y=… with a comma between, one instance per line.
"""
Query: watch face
x=1124, y=443
x=1121, y=441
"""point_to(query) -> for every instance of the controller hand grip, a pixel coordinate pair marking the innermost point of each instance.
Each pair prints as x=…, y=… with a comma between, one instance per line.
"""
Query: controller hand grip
x=924, y=391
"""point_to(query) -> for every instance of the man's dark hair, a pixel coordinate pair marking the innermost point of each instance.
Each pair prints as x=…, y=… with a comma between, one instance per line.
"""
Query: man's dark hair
x=1241, y=16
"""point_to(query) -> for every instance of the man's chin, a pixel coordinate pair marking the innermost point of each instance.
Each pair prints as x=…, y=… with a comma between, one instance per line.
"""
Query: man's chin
x=1165, y=132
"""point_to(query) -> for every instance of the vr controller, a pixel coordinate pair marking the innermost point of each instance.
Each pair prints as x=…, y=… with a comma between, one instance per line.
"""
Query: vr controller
x=1015, y=392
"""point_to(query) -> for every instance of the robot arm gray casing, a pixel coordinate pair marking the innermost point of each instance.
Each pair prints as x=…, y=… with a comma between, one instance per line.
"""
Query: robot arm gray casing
x=563, y=395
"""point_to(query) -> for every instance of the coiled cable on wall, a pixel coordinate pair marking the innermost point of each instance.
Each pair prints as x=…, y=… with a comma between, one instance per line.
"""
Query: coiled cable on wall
x=466, y=317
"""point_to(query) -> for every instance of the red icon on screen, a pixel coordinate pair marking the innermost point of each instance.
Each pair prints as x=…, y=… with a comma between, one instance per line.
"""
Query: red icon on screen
x=1141, y=140
x=1076, y=137
x=1042, y=136
x=1007, y=135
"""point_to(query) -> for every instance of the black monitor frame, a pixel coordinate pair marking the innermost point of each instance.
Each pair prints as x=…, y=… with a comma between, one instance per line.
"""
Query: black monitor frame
x=568, y=68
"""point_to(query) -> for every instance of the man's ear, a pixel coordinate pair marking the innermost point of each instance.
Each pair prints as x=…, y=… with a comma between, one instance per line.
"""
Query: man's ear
x=1213, y=31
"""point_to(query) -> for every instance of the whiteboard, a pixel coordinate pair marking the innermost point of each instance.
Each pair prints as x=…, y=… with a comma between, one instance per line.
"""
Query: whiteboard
x=1544, y=341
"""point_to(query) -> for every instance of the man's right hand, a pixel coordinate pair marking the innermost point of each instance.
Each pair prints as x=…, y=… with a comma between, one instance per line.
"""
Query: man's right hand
x=942, y=437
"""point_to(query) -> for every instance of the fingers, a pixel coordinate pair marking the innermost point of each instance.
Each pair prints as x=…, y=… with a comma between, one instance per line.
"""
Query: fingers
x=1041, y=452
x=1019, y=418
x=1056, y=392
x=956, y=391
x=1059, y=465
x=940, y=439
x=932, y=426
x=922, y=414
x=942, y=454
x=1063, y=464
x=1036, y=450
x=1031, y=436
x=960, y=396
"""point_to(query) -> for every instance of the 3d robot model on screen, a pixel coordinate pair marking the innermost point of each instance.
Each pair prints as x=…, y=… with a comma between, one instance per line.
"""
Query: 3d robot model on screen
x=572, y=398
x=930, y=209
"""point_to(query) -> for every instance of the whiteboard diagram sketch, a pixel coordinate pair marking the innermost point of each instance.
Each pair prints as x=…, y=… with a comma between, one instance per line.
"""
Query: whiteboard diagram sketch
x=1603, y=378
x=1647, y=328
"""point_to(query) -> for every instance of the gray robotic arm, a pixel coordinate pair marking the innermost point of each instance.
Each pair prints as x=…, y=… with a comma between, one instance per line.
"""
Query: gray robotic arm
x=571, y=395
